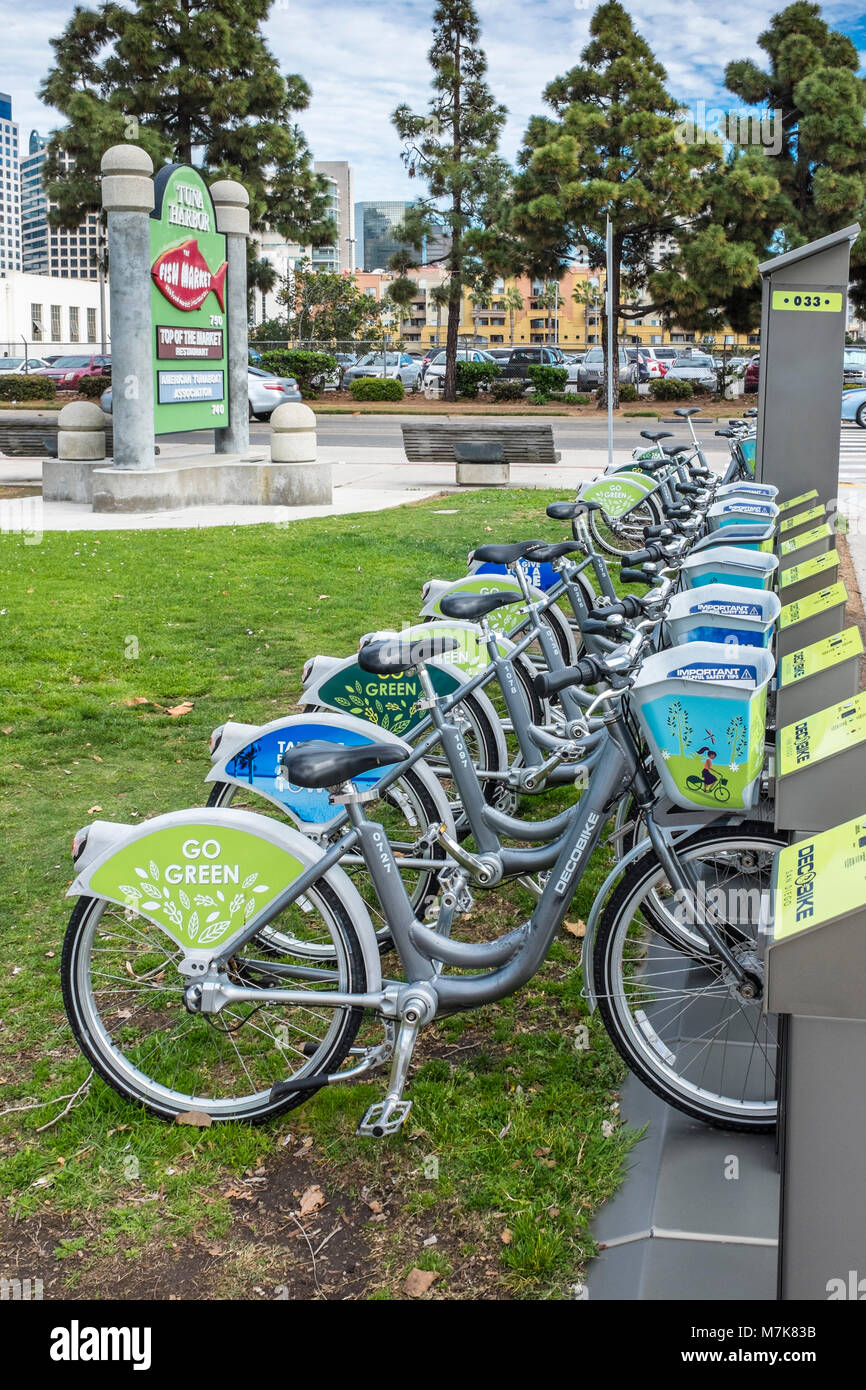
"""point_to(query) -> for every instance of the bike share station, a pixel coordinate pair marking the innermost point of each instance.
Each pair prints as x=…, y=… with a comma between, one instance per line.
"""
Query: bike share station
x=180, y=359
x=722, y=1215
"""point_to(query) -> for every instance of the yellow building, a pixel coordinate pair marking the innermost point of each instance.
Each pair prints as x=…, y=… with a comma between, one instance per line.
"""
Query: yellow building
x=524, y=310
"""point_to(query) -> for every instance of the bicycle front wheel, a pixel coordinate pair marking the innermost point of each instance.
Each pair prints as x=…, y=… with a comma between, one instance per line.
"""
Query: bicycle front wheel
x=124, y=998
x=674, y=1011
x=619, y=535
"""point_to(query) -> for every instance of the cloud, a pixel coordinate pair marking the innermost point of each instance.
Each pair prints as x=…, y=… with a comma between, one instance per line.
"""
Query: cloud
x=364, y=59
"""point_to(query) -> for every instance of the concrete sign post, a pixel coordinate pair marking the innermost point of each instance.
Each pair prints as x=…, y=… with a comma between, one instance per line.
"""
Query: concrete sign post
x=803, y=317
x=127, y=196
x=232, y=206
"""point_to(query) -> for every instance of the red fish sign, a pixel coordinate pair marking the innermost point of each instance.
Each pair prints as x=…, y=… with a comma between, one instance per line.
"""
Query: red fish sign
x=183, y=276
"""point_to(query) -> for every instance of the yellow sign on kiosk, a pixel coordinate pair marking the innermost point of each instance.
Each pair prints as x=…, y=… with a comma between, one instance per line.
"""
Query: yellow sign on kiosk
x=797, y=501
x=807, y=607
x=818, y=533
x=820, y=878
x=794, y=574
x=792, y=522
x=822, y=735
x=820, y=656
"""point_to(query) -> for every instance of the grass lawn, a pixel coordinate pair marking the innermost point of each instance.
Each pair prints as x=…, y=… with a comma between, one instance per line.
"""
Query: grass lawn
x=504, y=1158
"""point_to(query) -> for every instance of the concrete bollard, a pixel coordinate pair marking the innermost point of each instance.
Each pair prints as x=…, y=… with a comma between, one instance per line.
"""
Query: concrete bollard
x=303, y=480
x=81, y=431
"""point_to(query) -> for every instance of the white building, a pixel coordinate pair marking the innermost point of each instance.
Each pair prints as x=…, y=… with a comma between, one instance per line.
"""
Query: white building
x=67, y=253
x=10, y=205
x=341, y=207
x=49, y=315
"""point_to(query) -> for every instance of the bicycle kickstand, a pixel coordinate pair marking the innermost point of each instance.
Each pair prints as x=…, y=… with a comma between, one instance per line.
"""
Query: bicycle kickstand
x=388, y=1115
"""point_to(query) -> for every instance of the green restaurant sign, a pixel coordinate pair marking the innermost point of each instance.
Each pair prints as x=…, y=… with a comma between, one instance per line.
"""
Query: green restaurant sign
x=187, y=303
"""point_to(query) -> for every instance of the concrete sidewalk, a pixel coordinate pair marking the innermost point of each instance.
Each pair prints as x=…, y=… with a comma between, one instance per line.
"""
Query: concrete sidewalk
x=365, y=480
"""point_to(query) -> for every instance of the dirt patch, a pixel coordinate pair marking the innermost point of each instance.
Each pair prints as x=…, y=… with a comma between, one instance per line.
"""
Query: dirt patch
x=342, y=403
x=854, y=610
x=8, y=490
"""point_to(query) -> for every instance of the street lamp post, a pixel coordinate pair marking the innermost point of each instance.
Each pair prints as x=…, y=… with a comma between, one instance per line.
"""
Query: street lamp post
x=351, y=240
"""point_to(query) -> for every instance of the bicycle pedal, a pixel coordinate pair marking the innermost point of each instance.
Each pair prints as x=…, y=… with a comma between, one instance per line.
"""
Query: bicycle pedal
x=383, y=1118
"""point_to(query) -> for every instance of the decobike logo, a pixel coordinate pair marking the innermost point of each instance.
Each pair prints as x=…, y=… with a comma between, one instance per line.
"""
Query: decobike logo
x=564, y=880
x=801, y=742
x=804, y=883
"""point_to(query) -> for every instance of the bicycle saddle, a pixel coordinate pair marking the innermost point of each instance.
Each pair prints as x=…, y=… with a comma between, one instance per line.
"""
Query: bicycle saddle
x=545, y=554
x=503, y=554
x=565, y=511
x=319, y=764
x=686, y=411
x=672, y=449
x=393, y=655
x=654, y=435
x=471, y=607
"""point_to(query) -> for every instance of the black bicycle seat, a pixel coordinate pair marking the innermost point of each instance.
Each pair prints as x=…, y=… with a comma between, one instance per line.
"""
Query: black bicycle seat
x=320, y=764
x=686, y=411
x=654, y=435
x=471, y=607
x=565, y=511
x=503, y=554
x=395, y=654
x=546, y=554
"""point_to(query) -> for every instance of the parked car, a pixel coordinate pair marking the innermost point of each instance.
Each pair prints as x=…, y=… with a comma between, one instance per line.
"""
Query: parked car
x=656, y=366
x=435, y=370
x=22, y=366
x=667, y=355
x=696, y=367
x=397, y=365
x=591, y=370
x=500, y=355
x=265, y=391
x=643, y=364
x=520, y=359
x=854, y=406
x=68, y=372
x=854, y=366
x=750, y=380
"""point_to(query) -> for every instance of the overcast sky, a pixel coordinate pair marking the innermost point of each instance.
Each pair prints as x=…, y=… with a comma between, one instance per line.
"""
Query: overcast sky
x=363, y=59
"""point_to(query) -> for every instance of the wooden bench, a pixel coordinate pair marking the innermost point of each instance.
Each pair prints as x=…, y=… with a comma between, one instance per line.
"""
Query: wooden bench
x=37, y=439
x=487, y=450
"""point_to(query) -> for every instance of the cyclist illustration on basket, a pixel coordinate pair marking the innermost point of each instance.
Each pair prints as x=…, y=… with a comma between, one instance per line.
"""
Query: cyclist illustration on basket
x=710, y=782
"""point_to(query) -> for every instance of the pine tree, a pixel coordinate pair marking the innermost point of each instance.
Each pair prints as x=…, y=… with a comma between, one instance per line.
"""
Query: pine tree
x=812, y=79
x=613, y=147
x=191, y=81
x=453, y=147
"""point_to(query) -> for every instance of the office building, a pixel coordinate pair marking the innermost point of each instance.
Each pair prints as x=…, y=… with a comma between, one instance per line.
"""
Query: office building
x=67, y=254
x=10, y=206
x=375, y=225
x=341, y=207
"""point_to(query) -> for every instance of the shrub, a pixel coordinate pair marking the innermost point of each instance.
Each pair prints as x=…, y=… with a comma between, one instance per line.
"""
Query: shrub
x=92, y=387
x=548, y=379
x=666, y=389
x=471, y=375
x=308, y=368
x=569, y=397
x=377, y=388
x=627, y=392
x=508, y=390
x=26, y=388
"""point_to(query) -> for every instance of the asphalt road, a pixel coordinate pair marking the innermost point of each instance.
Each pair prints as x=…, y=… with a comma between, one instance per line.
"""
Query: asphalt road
x=377, y=431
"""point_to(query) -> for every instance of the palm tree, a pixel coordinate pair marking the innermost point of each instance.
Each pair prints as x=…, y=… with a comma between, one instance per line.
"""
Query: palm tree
x=261, y=276
x=586, y=294
x=481, y=299
x=549, y=298
x=512, y=300
x=439, y=297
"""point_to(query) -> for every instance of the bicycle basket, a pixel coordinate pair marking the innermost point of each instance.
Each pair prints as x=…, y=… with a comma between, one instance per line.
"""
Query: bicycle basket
x=747, y=536
x=722, y=613
x=733, y=510
x=767, y=492
x=729, y=564
x=703, y=711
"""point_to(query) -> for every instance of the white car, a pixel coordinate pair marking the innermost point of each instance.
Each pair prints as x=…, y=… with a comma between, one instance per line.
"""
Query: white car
x=393, y=364
x=696, y=367
x=21, y=366
x=435, y=369
x=656, y=365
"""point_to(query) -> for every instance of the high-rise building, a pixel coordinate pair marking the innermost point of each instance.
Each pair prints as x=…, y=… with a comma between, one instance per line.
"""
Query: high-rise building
x=374, y=229
x=67, y=254
x=342, y=209
x=35, y=258
x=10, y=208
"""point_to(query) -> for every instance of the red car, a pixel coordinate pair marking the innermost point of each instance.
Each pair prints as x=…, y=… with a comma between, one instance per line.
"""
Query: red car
x=67, y=372
x=750, y=381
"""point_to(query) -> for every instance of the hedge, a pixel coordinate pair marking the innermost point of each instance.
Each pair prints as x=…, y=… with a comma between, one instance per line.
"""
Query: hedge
x=471, y=375
x=668, y=389
x=508, y=390
x=377, y=388
x=92, y=387
x=548, y=379
x=26, y=388
x=308, y=368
